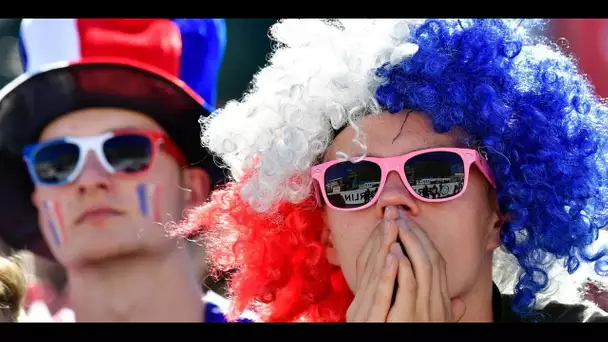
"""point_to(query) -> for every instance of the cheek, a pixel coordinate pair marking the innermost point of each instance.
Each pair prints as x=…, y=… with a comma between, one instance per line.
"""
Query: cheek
x=164, y=170
x=460, y=229
x=166, y=174
x=54, y=206
x=350, y=232
x=55, y=199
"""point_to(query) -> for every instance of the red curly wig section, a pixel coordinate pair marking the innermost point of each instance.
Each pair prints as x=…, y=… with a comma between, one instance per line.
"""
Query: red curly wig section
x=277, y=260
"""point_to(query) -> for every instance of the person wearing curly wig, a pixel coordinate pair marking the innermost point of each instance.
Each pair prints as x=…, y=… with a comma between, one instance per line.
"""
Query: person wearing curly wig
x=450, y=137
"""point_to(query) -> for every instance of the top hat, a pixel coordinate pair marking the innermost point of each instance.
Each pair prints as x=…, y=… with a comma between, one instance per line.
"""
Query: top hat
x=165, y=68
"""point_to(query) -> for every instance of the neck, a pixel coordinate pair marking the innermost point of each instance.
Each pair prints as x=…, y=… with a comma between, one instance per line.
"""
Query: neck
x=138, y=288
x=478, y=299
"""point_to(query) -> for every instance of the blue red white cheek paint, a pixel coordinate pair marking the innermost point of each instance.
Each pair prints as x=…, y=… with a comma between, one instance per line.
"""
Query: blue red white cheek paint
x=148, y=196
x=55, y=222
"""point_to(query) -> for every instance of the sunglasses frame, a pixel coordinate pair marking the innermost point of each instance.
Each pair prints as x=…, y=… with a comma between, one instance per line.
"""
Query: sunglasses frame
x=397, y=164
x=95, y=143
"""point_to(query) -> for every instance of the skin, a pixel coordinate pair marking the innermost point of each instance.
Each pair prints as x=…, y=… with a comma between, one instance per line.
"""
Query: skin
x=447, y=274
x=123, y=267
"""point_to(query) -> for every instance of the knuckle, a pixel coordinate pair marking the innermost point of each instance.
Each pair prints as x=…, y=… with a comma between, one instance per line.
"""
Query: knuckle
x=426, y=265
x=376, y=271
x=408, y=285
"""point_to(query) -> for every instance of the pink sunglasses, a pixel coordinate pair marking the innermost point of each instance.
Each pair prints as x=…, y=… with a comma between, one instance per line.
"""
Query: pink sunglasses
x=430, y=175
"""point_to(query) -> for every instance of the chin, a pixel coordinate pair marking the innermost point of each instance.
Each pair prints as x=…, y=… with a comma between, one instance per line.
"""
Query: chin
x=90, y=243
x=84, y=250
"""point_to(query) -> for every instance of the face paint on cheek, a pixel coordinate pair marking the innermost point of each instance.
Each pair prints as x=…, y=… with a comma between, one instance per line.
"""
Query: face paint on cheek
x=55, y=221
x=148, y=196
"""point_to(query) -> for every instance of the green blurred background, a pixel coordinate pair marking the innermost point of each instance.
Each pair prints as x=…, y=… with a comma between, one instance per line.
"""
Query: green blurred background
x=248, y=47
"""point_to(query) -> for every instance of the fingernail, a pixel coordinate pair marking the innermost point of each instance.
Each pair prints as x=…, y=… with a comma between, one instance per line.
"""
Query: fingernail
x=387, y=213
x=396, y=249
x=389, y=260
x=402, y=214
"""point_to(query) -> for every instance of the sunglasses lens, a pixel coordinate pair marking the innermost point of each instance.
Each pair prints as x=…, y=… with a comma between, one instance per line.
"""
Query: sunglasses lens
x=436, y=175
x=54, y=163
x=129, y=153
x=352, y=185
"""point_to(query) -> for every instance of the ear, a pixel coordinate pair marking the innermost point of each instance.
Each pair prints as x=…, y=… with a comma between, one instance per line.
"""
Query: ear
x=198, y=183
x=495, y=223
x=330, y=250
x=493, y=240
x=35, y=198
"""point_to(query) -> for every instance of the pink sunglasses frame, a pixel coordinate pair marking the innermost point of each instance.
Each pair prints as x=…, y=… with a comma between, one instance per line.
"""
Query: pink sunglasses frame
x=389, y=164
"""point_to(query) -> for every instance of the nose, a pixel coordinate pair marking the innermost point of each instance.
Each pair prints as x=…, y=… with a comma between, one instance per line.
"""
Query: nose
x=396, y=194
x=94, y=177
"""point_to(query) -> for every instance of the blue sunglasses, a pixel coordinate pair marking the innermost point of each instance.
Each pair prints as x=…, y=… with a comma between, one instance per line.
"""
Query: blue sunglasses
x=129, y=151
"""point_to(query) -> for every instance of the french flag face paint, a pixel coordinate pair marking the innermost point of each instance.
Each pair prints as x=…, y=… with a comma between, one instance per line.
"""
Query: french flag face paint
x=55, y=222
x=148, y=196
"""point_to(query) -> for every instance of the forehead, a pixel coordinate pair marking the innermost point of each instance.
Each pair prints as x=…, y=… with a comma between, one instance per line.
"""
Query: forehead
x=387, y=135
x=92, y=121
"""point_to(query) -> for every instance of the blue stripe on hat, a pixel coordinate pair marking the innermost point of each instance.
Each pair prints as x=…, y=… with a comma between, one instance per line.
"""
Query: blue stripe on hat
x=203, y=48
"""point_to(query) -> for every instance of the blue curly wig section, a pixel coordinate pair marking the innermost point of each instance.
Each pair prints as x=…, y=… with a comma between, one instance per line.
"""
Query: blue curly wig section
x=529, y=107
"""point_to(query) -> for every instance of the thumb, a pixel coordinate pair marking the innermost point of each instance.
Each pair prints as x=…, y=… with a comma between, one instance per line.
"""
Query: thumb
x=458, y=309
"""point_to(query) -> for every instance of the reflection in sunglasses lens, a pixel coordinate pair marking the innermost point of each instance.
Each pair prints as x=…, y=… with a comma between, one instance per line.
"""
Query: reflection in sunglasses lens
x=128, y=153
x=54, y=163
x=352, y=185
x=436, y=175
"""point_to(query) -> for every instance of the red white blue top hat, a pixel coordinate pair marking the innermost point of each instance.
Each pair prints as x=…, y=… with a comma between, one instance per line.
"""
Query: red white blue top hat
x=166, y=68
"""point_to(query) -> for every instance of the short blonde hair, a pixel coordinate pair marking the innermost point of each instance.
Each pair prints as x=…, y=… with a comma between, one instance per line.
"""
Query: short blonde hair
x=13, y=286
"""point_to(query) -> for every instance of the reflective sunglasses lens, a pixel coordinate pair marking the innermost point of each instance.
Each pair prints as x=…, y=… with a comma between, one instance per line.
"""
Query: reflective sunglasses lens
x=436, y=175
x=128, y=153
x=54, y=163
x=351, y=185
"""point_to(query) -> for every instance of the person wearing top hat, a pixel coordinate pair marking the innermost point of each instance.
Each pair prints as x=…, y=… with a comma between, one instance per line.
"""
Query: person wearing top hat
x=99, y=152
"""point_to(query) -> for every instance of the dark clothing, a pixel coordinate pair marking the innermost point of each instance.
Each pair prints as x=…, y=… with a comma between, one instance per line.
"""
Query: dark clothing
x=552, y=312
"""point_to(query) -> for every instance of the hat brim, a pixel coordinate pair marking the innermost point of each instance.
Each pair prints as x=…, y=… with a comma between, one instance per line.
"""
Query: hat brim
x=33, y=100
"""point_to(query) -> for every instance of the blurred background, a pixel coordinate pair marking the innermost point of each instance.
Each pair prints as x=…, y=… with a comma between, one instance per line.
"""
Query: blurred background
x=248, y=47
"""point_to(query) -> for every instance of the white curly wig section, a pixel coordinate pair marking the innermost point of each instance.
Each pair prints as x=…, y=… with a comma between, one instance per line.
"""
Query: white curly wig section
x=563, y=287
x=319, y=78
